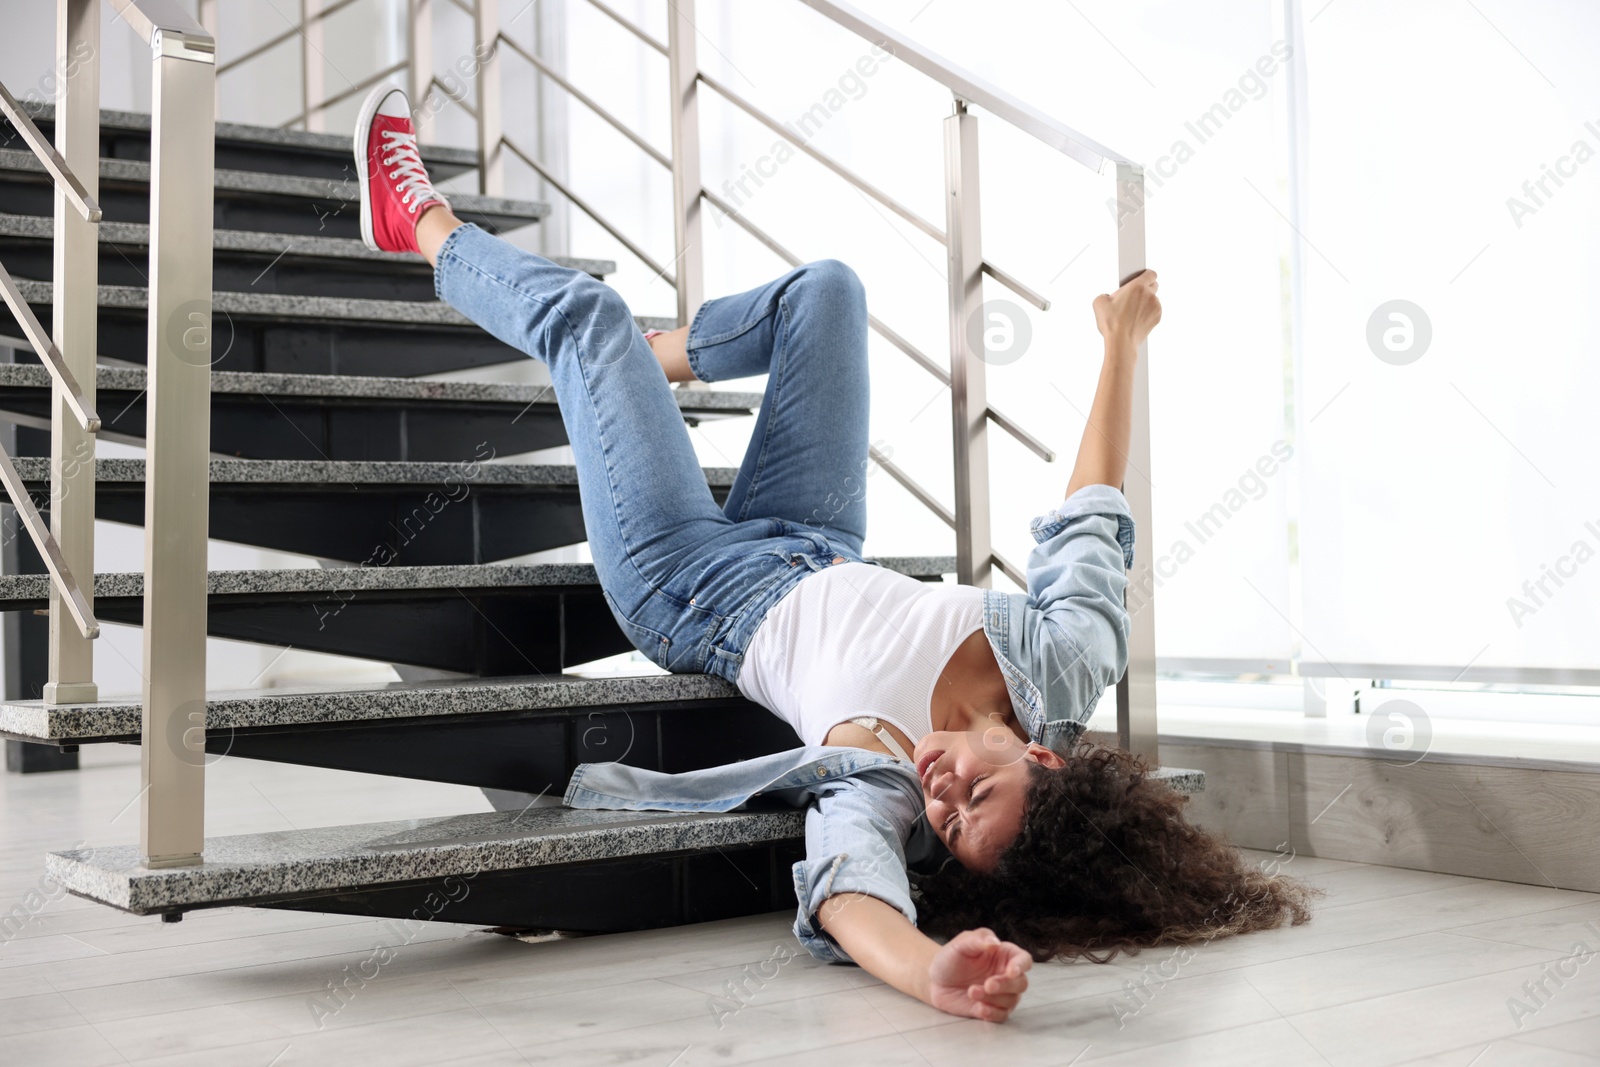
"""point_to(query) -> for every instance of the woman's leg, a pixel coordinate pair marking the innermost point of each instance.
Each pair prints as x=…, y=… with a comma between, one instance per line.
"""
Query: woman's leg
x=646, y=505
x=807, y=458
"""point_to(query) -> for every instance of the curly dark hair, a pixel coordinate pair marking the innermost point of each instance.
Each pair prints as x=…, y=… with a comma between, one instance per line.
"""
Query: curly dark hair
x=1106, y=863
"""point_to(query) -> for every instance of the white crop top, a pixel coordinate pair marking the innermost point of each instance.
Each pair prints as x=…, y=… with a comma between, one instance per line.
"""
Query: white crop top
x=856, y=639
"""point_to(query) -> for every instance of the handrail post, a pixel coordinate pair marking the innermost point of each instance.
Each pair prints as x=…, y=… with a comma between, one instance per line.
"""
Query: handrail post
x=491, y=115
x=419, y=52
x=969, y=401
x=74, y=331
x=177, y=444
x=1136, y=692
x=684, y=72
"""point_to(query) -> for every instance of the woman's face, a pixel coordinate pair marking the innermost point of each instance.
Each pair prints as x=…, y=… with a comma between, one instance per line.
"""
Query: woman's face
x=975, y=785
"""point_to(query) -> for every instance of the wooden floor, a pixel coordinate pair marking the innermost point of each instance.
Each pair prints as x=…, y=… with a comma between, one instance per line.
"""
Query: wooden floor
x=1398, y=967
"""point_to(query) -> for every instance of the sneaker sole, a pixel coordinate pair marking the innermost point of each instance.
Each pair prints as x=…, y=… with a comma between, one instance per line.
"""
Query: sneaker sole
x=363, y=136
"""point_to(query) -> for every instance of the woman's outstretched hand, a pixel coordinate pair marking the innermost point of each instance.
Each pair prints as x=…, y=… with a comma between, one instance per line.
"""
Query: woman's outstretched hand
x=978, y=975
x=1131, y=312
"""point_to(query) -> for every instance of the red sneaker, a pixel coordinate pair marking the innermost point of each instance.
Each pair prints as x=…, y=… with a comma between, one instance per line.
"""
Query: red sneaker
x=395, y=189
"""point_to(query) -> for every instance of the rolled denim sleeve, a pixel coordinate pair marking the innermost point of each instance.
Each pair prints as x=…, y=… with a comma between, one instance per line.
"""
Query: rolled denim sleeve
x=1077, y=574
x=1091, y=500
x=855, y=843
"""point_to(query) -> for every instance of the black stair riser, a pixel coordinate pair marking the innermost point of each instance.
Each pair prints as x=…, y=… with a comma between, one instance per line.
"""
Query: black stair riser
x=301, y=160
x=239, y=271
x=413, y=525
x=485, y=632
x=254, y=426
x=356, y=347
x=528, y=752
x=604, y=896
x=30, y=193
x=311, y=428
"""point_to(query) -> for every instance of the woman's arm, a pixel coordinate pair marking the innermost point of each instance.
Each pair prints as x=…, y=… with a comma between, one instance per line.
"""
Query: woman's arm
x=1125, y=320
x=975, y=974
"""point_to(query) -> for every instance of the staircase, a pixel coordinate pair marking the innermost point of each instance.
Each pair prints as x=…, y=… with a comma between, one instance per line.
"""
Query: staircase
x=327, y=443
x=332, y=436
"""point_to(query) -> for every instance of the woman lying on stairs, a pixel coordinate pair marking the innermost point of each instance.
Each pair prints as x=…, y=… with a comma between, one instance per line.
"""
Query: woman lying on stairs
x=941, y=722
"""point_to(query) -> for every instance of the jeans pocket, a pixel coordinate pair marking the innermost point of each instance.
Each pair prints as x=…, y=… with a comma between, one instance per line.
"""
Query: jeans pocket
x=652, y=643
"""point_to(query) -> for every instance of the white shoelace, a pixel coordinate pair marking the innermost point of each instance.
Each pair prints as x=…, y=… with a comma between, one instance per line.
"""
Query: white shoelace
x=414, y=183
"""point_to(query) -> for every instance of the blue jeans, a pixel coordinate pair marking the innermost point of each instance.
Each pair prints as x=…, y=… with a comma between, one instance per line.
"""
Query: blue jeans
x=689, y=581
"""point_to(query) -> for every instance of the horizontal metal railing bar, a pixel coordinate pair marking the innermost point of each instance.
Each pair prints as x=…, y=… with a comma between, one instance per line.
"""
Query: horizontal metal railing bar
x=345, y=94
x=271, y=43
x=1015, y=286
x=459, y=99
x=970, y=87
x=260, y=49
x=865, y=186
x=588, y=102
x=1006, y=423
x=630, y=27
x=47, y=352
x=1009, y=569
x=65, y=180
x=583, y=206
x=60, y=575
x=916, y=354
x=944, y=514
x=909, y=349
x=1030, y=442
x=838, y=168
x=927, y=499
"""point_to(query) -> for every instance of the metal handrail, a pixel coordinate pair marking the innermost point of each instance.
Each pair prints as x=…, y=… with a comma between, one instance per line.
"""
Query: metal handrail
x=65, y=180
x=345, y=94
x=459, y=98
x=62, y=579
x=87, y=205
x=971, y=88
x=49, y=549
x=961, y=237
x=583, y=205
x=48, y=354
x=731, y=96
x=628, y=25
x=583, y=98
x=865, y=186
x=944, y=514
x=273, y=42
x=1032, y=443
x=949, y=75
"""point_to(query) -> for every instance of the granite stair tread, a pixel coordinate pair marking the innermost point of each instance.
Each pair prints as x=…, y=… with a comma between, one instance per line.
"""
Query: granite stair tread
x=304, y=246
x=268, y=145
x=335, y=387
x=290, y=865
x=344, y=473
x=33, y=587
x=471, y=619
x=281, y=307
x=426, y=513
x=262, y=868
x=492, y=212
x=118, y=719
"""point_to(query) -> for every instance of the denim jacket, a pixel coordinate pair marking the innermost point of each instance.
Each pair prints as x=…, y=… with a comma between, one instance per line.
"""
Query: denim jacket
x=1065, y=640
x=1059, y=645
x=863, y=817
